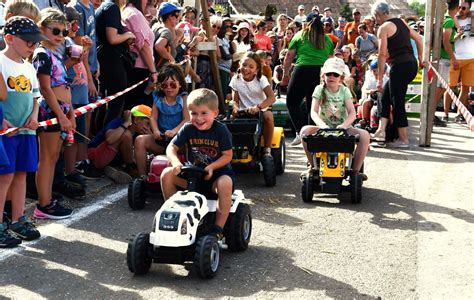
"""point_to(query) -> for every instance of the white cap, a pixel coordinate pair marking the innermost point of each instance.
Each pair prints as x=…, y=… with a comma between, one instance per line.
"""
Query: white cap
x=335, y=65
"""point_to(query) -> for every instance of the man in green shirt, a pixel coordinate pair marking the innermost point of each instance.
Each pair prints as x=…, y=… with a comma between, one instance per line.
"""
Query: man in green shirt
x=447, y=58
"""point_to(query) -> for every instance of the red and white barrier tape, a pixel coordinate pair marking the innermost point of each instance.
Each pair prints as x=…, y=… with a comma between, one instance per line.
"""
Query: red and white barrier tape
x=79, y=111
x=462, y=109
x=86, y=108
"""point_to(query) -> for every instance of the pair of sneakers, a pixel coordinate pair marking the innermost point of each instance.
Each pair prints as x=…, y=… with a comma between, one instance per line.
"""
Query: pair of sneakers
x=11, y=235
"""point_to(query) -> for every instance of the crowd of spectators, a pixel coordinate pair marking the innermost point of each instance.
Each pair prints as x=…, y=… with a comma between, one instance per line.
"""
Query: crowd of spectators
x=75, y=52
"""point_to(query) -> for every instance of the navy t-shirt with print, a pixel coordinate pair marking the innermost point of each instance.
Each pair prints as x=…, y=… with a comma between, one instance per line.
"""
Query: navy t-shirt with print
x=204, y=146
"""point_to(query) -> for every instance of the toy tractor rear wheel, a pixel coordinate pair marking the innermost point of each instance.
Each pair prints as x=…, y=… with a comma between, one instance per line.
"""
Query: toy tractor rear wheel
x=238, y=229
x=138, y=257
x=269, y=174
x=206, y=257
x=279, y=157
x=136, y=194
x=307, y=191
x=356, y=188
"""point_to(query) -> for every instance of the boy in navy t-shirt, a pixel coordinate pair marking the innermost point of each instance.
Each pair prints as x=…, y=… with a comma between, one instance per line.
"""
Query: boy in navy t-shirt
x=209, y=145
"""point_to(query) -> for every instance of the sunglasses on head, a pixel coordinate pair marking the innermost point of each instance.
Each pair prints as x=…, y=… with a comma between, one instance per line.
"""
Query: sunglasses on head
x=57, y=31
x=165, y=85
x=333, y=74
x=215, y=26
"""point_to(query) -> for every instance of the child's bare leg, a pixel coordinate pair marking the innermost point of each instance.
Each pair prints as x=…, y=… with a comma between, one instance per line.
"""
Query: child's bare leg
x=49, y=147
x=144, y=143
x=223, y=187
x=18, y=188
x=268, y=128
x=362, y=147
x=70, y=155
x=126, y=147
x=169, y=182
x=308, y=130
x=366, y=107
x=5, y=183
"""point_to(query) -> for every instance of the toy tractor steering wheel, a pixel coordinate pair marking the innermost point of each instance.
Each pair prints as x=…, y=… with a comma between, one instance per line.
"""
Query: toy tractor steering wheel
x=192, y=174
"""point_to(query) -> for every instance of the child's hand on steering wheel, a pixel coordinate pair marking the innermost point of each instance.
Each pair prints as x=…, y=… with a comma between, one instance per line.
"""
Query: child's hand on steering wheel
x=177, y=169
x=209, y=172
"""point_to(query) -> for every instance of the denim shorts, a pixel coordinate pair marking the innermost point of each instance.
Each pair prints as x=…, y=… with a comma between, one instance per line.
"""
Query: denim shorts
x=22, y=153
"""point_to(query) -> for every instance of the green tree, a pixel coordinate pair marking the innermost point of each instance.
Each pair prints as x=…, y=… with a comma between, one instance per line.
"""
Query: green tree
x=418, y=7
x=346, y=12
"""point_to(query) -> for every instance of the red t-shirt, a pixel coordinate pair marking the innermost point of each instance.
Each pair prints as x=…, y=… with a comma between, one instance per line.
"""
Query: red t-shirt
x=262, y=42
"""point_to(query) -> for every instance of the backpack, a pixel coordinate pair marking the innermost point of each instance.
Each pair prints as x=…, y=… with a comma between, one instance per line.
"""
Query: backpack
x=157, y=31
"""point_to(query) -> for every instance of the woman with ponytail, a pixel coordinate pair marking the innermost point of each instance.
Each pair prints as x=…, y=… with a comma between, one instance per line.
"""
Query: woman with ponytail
x=312, y=48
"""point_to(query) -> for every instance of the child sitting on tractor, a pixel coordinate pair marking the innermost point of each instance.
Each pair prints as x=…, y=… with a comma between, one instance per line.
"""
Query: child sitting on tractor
x=209, y=145
x=332, y=108
x=253, y=92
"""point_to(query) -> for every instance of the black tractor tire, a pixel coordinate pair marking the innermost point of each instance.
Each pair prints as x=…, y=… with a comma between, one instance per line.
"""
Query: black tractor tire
x=356, y=188
x=138, y=257
x=206, y=257
x=307, y=191
x=136, y=194
x=238, y=228
x=269, y=174
x=279, y=157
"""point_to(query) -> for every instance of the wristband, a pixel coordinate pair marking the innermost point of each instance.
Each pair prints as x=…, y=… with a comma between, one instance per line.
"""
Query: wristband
x=153, y=72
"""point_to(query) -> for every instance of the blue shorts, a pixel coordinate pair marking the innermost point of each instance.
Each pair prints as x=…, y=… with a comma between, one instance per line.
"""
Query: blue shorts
x=22, y=153
x=205, y=186
x=80, y=126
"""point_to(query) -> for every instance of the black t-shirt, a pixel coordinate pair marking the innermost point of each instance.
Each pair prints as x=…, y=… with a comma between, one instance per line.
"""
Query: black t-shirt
x=204, y=146
x=108, y=15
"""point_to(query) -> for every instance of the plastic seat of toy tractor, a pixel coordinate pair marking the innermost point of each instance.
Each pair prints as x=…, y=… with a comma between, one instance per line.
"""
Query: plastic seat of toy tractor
x=331, y=141
x=246, y=131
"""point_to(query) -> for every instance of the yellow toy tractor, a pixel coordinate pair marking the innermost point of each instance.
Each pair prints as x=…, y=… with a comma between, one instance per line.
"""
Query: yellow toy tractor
x=332, y=151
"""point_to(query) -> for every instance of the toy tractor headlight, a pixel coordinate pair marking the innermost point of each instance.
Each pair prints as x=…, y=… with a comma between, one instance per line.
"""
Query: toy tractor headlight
x=169, y=220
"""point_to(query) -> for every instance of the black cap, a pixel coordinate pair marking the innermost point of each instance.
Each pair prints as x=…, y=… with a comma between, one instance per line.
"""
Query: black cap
x=24, y=28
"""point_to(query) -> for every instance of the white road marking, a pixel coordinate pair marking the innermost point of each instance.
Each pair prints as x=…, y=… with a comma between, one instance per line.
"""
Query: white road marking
x=52, y=229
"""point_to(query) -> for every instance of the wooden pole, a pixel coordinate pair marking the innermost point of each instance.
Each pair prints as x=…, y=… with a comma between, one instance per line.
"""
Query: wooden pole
x=197, y=5
x=213, y=56
x=433, y=8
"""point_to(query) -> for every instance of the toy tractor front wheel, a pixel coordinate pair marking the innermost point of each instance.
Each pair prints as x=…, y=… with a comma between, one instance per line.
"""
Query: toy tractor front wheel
x=269, y=174
x=238, y=228
x=138, y=258
x=307, y=191
x=136, y=194
x=356, y=188
x=206, y=257
x=279, y=157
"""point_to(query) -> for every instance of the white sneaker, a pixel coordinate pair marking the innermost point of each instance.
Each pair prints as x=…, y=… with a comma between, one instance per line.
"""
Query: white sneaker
x=296, y=141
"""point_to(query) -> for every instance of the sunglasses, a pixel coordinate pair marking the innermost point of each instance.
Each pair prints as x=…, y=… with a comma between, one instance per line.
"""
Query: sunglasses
x=332, y=74
x=462, y=7
x=30, y=44
x=172, y=85
x=215, y=26
x=56, y=31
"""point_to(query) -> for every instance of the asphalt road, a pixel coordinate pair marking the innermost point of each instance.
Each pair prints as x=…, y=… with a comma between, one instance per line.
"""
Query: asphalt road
x=410, y=238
